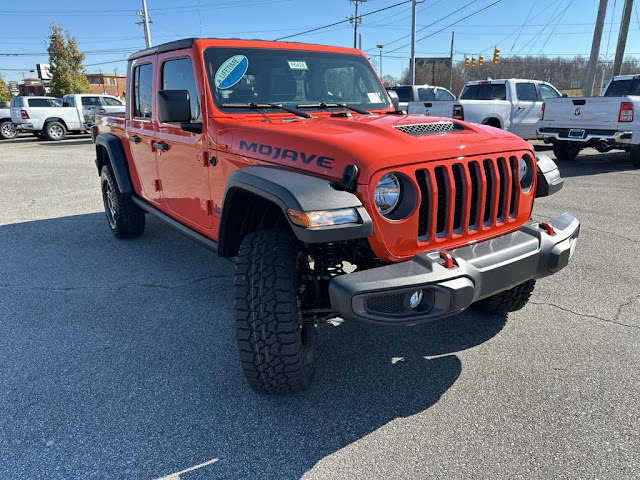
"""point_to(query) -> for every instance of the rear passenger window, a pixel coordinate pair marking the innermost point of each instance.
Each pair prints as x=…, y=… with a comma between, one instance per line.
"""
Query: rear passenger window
x=142, y=90
x=178, y=75
x=426, y=94
x=526, y=92
x=91, y=101
x=40, y=102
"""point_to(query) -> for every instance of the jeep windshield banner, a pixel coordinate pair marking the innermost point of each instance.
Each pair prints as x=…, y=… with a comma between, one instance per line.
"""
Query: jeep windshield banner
x=241, y=76
x=273, y=153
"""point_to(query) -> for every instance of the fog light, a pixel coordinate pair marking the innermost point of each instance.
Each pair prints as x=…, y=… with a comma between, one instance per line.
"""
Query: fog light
x=416, y=299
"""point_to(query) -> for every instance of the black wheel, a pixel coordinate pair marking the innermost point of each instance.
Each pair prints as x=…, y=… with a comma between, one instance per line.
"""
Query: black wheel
x=566, y=150
x=276, y=347
x=55, y=131
x=7, y=131
x=634, y=153
x=125, y=218
x=508, y=301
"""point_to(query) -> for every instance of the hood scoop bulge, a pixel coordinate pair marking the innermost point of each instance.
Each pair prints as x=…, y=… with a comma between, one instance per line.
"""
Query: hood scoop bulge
x=415, y=129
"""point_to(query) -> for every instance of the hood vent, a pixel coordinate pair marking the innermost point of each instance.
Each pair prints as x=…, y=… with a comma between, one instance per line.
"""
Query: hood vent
x=429, y=128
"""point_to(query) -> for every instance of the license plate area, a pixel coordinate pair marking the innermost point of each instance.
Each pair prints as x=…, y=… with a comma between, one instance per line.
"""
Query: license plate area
x=576, y=133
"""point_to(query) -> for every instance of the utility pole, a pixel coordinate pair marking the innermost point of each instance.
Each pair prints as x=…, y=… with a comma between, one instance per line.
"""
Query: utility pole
x=412, y=62
x=453, y=36
x=590, y=74
x=622, y=37
x=145, y=21
x=356, y=20
x=380, y=66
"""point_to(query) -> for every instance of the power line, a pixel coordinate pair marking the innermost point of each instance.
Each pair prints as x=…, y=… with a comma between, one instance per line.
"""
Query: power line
x=556, y=25
x=341, y=21
x=522, y=28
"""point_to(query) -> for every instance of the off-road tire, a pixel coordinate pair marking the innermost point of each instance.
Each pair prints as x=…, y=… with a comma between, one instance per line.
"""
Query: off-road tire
x=566, y=151
x=276, y=348
x=634, y=154
x=508, y=301
x=7, y=132
x=125, y=218
x=54, y=131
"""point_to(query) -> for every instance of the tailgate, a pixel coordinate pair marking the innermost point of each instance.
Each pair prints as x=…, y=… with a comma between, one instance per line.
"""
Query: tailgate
x=16, y=116
x=587, y=112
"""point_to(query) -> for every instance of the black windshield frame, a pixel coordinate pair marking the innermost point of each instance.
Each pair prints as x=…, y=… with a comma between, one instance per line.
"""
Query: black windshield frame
x=270, y=78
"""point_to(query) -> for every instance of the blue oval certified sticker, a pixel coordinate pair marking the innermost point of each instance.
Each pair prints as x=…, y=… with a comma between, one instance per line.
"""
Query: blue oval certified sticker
x=231, y=71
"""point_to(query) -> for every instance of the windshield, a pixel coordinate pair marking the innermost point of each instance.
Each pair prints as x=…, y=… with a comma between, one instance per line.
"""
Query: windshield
x=291, y=78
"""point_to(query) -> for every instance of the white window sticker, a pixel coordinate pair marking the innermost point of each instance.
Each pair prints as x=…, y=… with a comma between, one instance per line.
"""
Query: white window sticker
x=374, y=97
x=297, y=65
x=231, y=71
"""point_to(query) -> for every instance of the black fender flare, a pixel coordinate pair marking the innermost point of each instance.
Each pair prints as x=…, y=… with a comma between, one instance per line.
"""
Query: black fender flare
x=300, y=191
x=113, y=146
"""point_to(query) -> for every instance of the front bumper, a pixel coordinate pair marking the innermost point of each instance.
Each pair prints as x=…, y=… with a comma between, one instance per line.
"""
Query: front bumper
x=612, y=137
x=382, y=295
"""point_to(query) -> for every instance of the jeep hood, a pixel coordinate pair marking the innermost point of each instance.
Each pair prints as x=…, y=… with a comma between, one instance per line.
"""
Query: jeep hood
x=325, y=145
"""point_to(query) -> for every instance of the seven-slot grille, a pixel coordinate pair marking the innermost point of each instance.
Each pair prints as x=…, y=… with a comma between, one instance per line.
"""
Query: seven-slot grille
x=463, y=196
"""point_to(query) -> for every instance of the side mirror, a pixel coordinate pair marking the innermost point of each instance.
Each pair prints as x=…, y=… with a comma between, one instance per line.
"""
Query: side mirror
x=174, y=106
x=393, y=95
x=564, y=95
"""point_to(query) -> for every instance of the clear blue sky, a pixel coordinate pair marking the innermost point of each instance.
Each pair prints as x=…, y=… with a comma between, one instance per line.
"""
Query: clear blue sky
x=107, y=31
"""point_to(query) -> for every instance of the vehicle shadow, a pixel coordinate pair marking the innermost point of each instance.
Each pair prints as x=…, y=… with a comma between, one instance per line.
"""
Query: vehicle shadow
x=120, y=361
x=590, y=163
x=79, y=139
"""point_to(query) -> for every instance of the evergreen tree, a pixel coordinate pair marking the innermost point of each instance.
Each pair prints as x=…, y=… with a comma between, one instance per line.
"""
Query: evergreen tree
x=4, y=91
x=67, y=73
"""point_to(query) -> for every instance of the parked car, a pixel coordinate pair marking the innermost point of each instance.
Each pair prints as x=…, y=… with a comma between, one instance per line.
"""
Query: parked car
x=422, y=93
x=290, y=160
x=513, y=105
x=608, y=122
x=6, y=126
x=53, y=118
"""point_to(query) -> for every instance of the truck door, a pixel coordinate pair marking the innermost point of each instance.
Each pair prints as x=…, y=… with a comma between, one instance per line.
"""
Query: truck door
x=140, y=128
x=182, y=162
x=526, y=110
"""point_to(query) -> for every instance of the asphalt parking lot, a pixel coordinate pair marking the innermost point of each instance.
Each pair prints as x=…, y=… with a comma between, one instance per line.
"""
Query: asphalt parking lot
x=118, y=358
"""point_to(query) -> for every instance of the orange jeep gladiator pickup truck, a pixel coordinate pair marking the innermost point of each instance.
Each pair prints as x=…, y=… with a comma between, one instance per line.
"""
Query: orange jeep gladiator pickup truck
x=291, y=160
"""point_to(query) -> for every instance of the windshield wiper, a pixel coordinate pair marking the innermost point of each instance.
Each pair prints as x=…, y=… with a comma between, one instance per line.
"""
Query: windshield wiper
x=256, y=106
x=330, y=105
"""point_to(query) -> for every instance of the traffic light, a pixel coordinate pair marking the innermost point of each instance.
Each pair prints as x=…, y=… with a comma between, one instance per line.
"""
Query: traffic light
x=496, y=56
x=473, y=62
x=480, y=61
x=466, y=61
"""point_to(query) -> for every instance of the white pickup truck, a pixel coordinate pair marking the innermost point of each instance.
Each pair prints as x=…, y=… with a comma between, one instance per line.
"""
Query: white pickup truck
x=52, y=118
x=6, y=127
x=605, y=123
x=434, y=101
x=511, y=104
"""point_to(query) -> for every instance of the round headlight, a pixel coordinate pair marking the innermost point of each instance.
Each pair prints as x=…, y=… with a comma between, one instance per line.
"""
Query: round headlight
x=387, y=193
x=525, y=173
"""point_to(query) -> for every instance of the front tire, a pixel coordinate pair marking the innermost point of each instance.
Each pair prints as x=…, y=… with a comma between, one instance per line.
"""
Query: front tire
x=276, y=347
x=508, y=301
x=566, y=151
x=125, y=218
x=7, y=132
x=55, y=131
x=634, y=153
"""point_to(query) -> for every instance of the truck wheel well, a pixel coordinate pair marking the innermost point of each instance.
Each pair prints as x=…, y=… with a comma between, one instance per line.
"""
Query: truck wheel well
x=244, y=213
x=55, y=119
x=102, y=157
x=492, y=122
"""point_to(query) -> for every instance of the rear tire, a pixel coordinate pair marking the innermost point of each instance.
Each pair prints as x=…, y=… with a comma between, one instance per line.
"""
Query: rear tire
x=566, y=151
x=508, y=301
x=125, y=218
x=276, y=348
x=634, y=154
x=7, y=132
x=55, y=131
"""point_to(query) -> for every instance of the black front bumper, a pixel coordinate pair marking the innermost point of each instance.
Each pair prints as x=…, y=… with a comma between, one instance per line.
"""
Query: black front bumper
x=382, y=295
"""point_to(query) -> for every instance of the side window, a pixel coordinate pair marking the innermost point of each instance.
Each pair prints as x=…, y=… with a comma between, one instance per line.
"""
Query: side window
x=178, y=75
x=90, y=101
x=526, y=92
x=404, y=94
x=112, y=102
x=547, y=92
x=426, y=94
x=142, y=90
x=69, y=101
x=470, y=92
x=444, y=95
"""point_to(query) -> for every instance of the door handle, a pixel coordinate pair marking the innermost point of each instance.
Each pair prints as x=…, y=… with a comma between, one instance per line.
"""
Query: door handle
x=161, y=146
x=521, y=108
x=134, y=139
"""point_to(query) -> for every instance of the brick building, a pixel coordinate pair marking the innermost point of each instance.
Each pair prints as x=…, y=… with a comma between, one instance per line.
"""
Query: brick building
x=31, y=86
x=107, y=83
